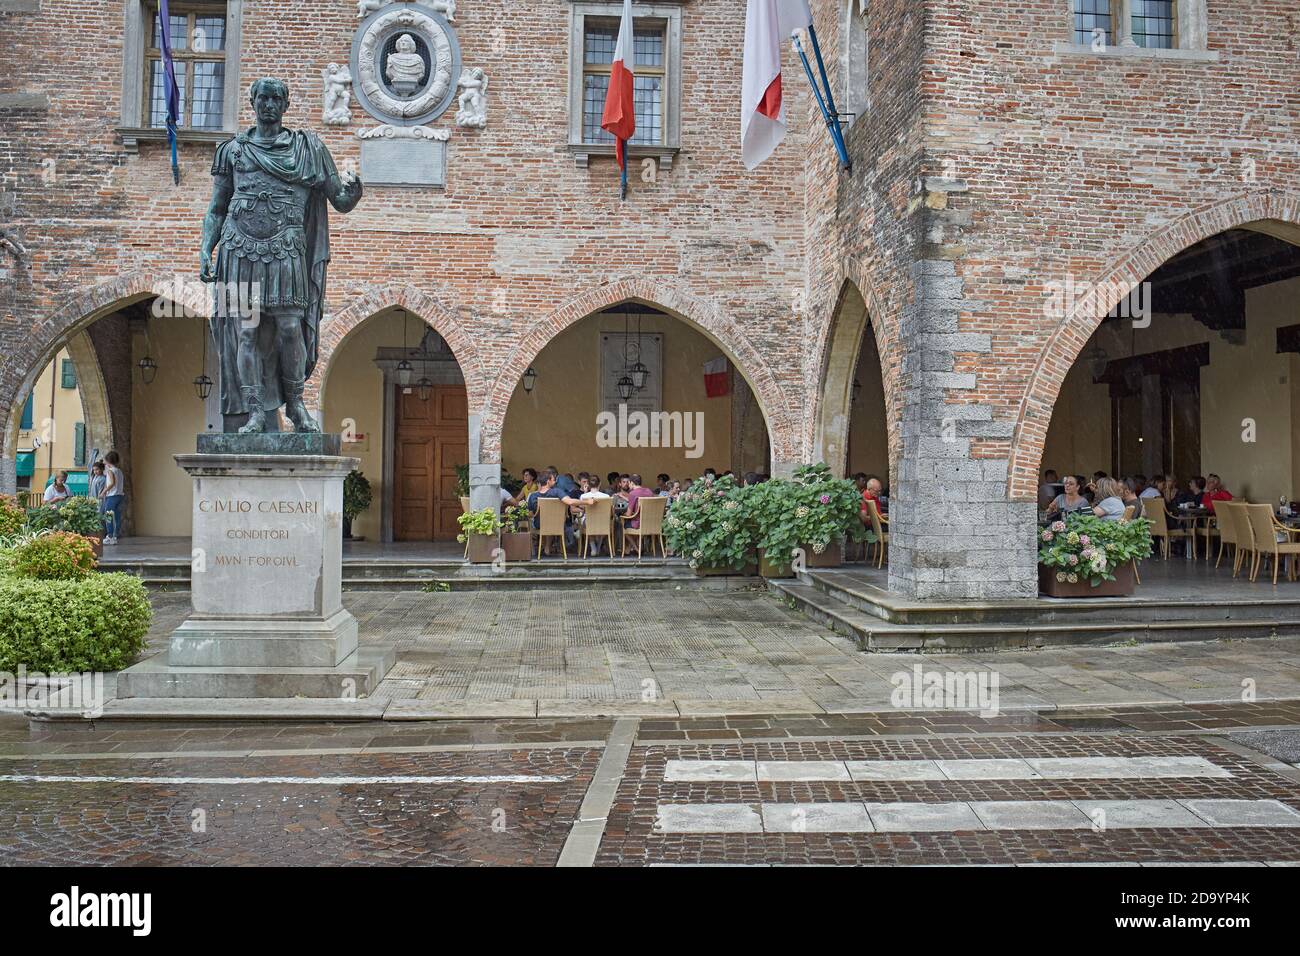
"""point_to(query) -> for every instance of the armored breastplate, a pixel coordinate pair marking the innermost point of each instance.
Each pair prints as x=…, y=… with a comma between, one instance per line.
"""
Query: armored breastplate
x=264, y=207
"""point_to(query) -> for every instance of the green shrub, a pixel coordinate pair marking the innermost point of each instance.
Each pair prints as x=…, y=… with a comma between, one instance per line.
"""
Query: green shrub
x=485, y=522
x=80, y=515
x=1084, y=547
x=95, y=624
x=13, y=519
x=56, y=556
x=356, y=494
x=711, y=526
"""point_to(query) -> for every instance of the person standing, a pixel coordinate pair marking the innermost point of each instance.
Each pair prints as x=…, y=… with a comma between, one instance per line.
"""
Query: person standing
x=97, y=480
x=113, y=501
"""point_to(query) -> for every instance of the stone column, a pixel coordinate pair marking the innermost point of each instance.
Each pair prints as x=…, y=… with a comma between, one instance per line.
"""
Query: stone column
x=8, y=476
x=484, y=477
x=953, y=533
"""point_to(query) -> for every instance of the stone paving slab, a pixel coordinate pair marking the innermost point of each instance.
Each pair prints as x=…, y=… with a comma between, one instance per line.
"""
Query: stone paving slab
x=579, y=652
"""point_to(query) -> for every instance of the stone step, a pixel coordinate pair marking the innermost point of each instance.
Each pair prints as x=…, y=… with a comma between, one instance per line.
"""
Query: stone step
x=356, y=677
x=189, y=709
x=873, y=634
x=888, y=607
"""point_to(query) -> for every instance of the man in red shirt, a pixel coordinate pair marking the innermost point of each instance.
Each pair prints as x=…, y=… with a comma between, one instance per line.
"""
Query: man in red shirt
x=635, y=495
x=1214, y=491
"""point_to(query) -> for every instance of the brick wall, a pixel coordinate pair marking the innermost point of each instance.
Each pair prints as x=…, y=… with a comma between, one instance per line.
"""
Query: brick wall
x=989, y=164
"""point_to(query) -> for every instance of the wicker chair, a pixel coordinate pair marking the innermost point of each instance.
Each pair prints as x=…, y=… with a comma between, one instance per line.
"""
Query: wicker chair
x=551, y=513
x=651, y=512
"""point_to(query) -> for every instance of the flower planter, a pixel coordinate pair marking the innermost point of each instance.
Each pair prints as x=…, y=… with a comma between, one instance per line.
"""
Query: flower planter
x=725, y=571
x=517, y=545
x=832, y=557
x=481, y=548
x=1122, y=586
x=769, y=570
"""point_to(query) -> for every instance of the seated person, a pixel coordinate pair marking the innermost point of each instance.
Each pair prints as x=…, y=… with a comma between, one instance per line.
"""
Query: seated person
x=635, y=494
x=1070, y=501
x=58, y=491
x=1110, y=500
x=1214, y=491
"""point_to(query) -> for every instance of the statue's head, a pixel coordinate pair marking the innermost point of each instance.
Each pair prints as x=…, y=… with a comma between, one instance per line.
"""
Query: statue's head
x=405, y=43
x=270, y=98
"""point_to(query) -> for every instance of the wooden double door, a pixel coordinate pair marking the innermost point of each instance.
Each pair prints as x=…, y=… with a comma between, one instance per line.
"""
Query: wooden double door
x=431, y=442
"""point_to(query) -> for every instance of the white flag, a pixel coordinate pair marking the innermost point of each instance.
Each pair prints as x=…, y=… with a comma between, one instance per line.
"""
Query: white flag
x=762, y=118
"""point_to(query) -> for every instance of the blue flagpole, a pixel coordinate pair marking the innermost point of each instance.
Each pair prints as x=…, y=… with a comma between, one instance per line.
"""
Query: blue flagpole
x=837, y=132
x=623, y=193
x=170, y=87
x=832, y=121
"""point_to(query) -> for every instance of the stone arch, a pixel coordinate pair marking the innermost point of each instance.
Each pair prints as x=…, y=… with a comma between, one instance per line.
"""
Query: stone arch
x=853, y=317
x=60, y=328
x=708, y=318
x=1275, y=212
x=338, y=326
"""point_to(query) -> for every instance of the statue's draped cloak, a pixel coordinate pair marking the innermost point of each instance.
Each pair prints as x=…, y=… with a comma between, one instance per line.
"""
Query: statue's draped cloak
x=298, y=158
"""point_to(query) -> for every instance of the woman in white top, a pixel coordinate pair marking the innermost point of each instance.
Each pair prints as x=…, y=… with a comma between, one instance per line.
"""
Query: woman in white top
x=58, y=491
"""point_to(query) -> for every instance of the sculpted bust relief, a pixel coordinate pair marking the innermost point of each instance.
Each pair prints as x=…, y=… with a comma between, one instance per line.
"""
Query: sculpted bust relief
x=405, y=66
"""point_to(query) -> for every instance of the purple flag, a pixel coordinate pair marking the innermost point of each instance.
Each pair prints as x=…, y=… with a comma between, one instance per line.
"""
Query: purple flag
x=169, y=82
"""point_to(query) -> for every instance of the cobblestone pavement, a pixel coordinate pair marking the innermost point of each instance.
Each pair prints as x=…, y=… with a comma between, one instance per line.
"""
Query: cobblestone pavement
x=1141, y=786
x=701, y=652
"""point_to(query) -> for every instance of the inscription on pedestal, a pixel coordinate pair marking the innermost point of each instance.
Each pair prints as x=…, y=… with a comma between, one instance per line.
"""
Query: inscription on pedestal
x=263, y=547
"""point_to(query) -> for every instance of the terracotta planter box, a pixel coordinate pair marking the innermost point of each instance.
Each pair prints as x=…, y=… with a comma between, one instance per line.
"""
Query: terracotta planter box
x=749, y=569
x=832, y=557
x=518, y=546
x=481, y=547
x=769, y=570
x=1122, y=586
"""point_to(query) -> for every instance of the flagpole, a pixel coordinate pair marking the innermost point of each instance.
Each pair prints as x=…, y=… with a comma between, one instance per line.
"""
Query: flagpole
x=623, y=192
x=832, y=122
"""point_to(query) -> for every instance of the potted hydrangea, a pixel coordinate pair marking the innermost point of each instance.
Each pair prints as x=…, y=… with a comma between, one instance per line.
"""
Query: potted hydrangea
x=826, y=511
x=1084, y=556
x=516, y=534
x=710, y=527
x=482, y=531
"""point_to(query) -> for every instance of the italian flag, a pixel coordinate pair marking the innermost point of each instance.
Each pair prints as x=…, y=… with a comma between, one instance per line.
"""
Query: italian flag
x=716, y=380
x=762, y=116
x=619, y=118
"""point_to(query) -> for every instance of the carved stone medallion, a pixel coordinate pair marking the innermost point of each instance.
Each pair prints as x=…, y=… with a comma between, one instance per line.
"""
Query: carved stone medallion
x=406, y=64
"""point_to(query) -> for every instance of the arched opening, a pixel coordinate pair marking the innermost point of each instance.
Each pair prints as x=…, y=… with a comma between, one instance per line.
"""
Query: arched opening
x=1195, y=372
x=146, y=414
x=396, y=392
x=852, y=425
x=581, y=409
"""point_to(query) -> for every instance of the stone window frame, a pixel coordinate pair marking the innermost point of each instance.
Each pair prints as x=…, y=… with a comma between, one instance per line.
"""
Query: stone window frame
x=854, y=93
x=668, y=11
x=136, y=30
x=1190, y=25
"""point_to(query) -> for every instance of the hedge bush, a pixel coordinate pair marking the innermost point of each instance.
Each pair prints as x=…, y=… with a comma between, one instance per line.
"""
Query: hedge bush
x=60, y=556
x=13, y=518
x=95, y=624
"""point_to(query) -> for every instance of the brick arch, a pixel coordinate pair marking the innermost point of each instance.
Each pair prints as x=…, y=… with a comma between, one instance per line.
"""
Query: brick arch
x=48, y=335
x=431, y=311
x=855, y=314
x=705, y=316
x=1274, y=212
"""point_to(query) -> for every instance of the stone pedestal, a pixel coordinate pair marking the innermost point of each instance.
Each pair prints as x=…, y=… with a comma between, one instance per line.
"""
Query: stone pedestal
x=266, y=579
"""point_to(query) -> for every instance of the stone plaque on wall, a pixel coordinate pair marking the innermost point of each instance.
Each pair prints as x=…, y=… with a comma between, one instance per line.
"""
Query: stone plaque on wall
x=617, y=353
x=403, y=162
